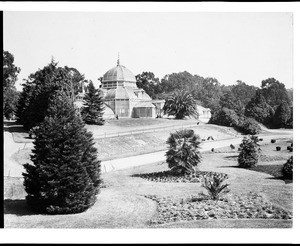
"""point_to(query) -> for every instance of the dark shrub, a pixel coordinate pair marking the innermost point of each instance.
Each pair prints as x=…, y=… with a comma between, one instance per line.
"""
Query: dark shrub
x=288, y=147
x=261, y=139
x=278, y=148
x=212, y=150
x=291, y=149
x=248, y=126
x=65, y=175
x=224, y=117
x=249, y=153
x=273, y=140
x=183, y=153
x=214, y=186
x=287, y=169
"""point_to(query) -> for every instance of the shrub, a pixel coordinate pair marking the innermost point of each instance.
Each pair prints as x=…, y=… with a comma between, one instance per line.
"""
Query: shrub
x=278, y=148
x=65, y=174
x=183, y=154
x=215, y=187
x=224, y=117
x=287, y=169
x=249, y=153
x=273, y=140
x=248, y=126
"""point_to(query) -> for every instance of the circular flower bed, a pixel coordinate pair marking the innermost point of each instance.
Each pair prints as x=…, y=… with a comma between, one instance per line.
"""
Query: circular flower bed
x=201, y=207
x=169, y=176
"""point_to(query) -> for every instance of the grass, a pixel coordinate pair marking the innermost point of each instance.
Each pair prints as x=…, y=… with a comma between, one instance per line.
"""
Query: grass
x=123, y=203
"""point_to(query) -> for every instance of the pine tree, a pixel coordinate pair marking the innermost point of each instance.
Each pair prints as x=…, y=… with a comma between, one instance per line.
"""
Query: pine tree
x=65, y=175
x=93, y=106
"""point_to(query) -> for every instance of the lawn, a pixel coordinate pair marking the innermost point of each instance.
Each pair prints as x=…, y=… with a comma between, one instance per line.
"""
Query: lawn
x=126, y=201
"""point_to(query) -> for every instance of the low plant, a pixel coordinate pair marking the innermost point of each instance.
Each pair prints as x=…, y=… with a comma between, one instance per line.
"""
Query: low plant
x=248, y=126
x=249, y=153
x=287, y=169
x=215, y=187
x=278, y=148
x=273, y=140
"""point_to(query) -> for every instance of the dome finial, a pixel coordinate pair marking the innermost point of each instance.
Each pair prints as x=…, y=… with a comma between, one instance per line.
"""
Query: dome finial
x=118, y=61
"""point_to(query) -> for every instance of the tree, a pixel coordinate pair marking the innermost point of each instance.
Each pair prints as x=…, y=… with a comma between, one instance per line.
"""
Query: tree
x=65, y=174
x=10, y=94
x=249, y=153
x=282, y=115
x=180, y=104
x=183, y=154
x=274, y=92
x=10, y=101
x=149, y=83
x=259, y=109
x=243, y=92
x=228, y=100
x=93, y=106
x=40, y=86
x=224, y=117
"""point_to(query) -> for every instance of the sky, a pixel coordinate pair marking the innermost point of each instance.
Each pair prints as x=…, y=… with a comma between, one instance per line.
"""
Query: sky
x=228, y=46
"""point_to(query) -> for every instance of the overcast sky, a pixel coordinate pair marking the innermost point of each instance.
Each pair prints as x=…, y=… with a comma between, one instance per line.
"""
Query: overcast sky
x=228, y=46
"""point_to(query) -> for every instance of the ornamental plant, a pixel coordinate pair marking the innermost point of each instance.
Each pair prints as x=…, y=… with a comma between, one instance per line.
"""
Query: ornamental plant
x=215, y=187
x=183, y=154
x=249, y=153
x=64, y=176
x=287, y=169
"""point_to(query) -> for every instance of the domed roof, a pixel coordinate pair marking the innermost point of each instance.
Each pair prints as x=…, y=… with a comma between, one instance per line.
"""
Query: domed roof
x=118, y=73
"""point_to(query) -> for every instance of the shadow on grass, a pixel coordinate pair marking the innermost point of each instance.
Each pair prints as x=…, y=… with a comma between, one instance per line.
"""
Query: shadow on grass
x=274, y=170
x=231, y=157
x=17, y=207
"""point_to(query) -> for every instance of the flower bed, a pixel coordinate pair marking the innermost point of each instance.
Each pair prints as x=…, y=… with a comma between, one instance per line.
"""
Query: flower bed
x=169, y=177
x=200, y=207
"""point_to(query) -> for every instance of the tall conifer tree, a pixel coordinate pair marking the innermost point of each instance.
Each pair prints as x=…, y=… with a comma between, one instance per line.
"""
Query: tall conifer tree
x=65, y=175
x=93, y=106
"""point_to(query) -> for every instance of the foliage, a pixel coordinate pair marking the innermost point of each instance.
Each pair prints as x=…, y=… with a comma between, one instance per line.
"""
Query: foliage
x=10, y=94
x=249, y=154
x=248, y=126
x=274, y=92
x=224, y=117
x=149, y=83
x=65, y=174
x=10, y=101
x=180, y=104
x=215, y=187
x=243, y=92
x=93, y=106
x=230, y=101
x=282, y=115
x=40, y=86
x=259, y=109
x=183, y=154
x=287, y=169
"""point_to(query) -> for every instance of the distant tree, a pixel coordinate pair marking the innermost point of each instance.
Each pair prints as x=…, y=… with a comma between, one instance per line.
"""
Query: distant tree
x=259, y=109
x=248, y=125
x=210, y=93
x=228, y=100
x=10, y=101
x=282, y=115
x=243, y=92
x=149, y=83
x=183, y=154
x=40, y=86
x=93, y=106
x=224, y=117
x=274, y=92
x=10, y=94
x=65, y=174
x=181, y=104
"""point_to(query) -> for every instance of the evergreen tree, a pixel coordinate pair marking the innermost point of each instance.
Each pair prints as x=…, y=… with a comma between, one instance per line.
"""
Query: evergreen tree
x=65, y=175
x=93, y=106
x=249, y=153
x=282, y=115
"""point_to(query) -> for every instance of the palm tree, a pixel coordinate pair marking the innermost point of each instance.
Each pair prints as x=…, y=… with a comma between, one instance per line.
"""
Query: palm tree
x=183, y=154
x=180, y=104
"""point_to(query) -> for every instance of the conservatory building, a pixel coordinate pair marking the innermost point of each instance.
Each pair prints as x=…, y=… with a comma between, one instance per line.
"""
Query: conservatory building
x=122, y=95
